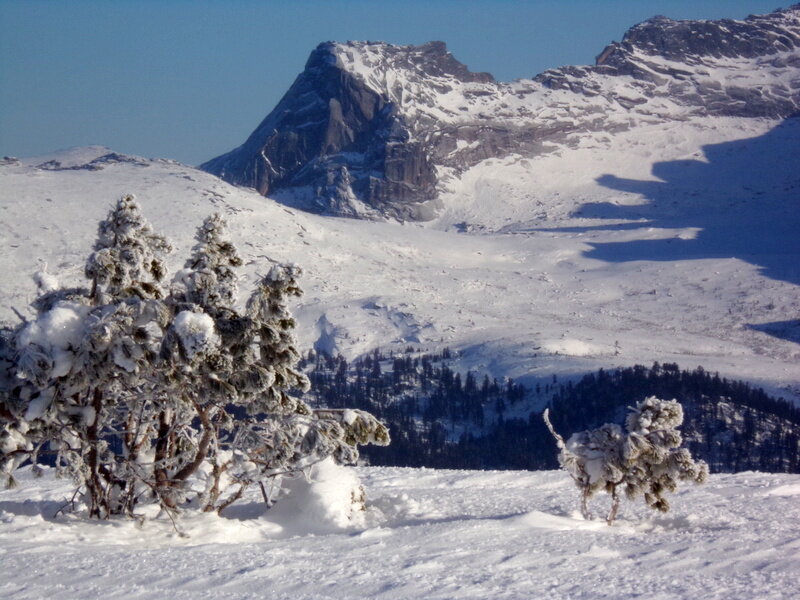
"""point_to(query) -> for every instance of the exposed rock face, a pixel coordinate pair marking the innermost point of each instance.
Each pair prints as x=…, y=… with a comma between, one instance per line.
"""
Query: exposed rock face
x=747, y=68
x=372, y=130
x=348, y=144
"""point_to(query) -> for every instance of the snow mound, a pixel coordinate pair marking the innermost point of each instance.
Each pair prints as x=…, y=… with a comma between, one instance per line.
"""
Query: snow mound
x=785, y=490
x=332, y=499
x=541, y=520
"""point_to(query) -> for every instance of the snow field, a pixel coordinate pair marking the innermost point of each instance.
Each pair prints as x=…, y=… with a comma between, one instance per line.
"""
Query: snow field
x=564, y=271
x=428, y=534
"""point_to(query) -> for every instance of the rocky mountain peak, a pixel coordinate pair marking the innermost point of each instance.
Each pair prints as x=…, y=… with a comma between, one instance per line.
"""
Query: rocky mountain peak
x=374, y=130
x=427, y=60
x=343, y=121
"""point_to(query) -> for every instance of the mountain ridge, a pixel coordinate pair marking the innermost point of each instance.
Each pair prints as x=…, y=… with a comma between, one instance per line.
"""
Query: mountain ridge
x=372, y=130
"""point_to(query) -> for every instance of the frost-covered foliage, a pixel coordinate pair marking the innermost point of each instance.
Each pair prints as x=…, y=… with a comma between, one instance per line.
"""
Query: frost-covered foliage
x=128, y=257
x=647, y=460
x=651, y=452
x=141, y=392
x=209, y=278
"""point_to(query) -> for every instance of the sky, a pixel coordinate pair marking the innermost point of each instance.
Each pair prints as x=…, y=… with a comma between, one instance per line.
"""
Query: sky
x=190, y=79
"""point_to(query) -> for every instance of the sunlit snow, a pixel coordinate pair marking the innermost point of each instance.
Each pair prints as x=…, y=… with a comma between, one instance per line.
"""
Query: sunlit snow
x=426, y=534
x=670, y=244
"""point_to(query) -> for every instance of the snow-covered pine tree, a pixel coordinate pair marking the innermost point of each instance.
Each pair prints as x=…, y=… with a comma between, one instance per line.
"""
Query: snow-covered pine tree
x=211, y=359
x=137, y=391
x=646, y=461
x=82, y=366
x=275, y=341
x=281, y=434
x=238, y=371
x=209, y=278
x=128, y=257
x=198, y=358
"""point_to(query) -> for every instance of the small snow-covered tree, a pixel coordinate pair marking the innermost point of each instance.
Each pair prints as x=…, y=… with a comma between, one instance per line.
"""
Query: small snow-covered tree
x=81, y=365
x=243, y=376
x=593, y=459
x=652, y=455
x=209, y=277
x=198, y=357
x=647, y=460
x=237, y=370
x=255, y=428
x=128, y=257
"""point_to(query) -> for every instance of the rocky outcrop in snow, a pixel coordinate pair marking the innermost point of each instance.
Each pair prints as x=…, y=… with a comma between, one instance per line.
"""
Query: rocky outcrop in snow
x=374, y=130
x=747, y=68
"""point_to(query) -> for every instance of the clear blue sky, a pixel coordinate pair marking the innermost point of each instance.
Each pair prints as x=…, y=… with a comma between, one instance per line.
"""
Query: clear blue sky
x=190, y=79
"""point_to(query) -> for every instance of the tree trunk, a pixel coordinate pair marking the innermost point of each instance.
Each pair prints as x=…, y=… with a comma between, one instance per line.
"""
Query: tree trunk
x=98, y=503
x=202, y=447
x=612, y=514
x=162, y=480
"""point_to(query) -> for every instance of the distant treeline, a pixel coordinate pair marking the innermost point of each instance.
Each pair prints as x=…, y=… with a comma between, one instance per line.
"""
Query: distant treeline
x=444, y=419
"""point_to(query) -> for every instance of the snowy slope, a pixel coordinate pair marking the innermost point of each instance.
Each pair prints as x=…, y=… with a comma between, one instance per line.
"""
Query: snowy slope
x=430, y=534
x=656, y=245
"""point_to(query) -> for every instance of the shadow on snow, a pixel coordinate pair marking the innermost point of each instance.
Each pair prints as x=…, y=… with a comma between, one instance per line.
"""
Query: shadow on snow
x=785, y=330
x=743, y=197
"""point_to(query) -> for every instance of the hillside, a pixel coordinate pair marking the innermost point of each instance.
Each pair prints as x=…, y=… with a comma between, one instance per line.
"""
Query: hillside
x=576, y=276
x=443, y=418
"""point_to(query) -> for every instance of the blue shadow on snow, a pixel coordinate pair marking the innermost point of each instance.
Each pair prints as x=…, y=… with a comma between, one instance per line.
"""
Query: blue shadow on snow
x=744, y=198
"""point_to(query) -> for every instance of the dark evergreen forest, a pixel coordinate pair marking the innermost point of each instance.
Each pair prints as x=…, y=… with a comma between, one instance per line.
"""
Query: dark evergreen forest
x=445, y=419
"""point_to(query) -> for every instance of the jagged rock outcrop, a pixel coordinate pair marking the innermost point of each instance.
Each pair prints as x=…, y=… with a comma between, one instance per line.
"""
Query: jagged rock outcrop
x=373, y=130
x=747, y=68
x=342, y=142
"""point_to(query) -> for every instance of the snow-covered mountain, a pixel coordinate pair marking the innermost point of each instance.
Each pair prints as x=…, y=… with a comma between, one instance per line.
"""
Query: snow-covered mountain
x=372, y=130
x=654, y=241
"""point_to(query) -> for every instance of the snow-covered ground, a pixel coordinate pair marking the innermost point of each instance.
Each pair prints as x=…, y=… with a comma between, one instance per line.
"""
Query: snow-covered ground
x=669, y=243
x=426, y=534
